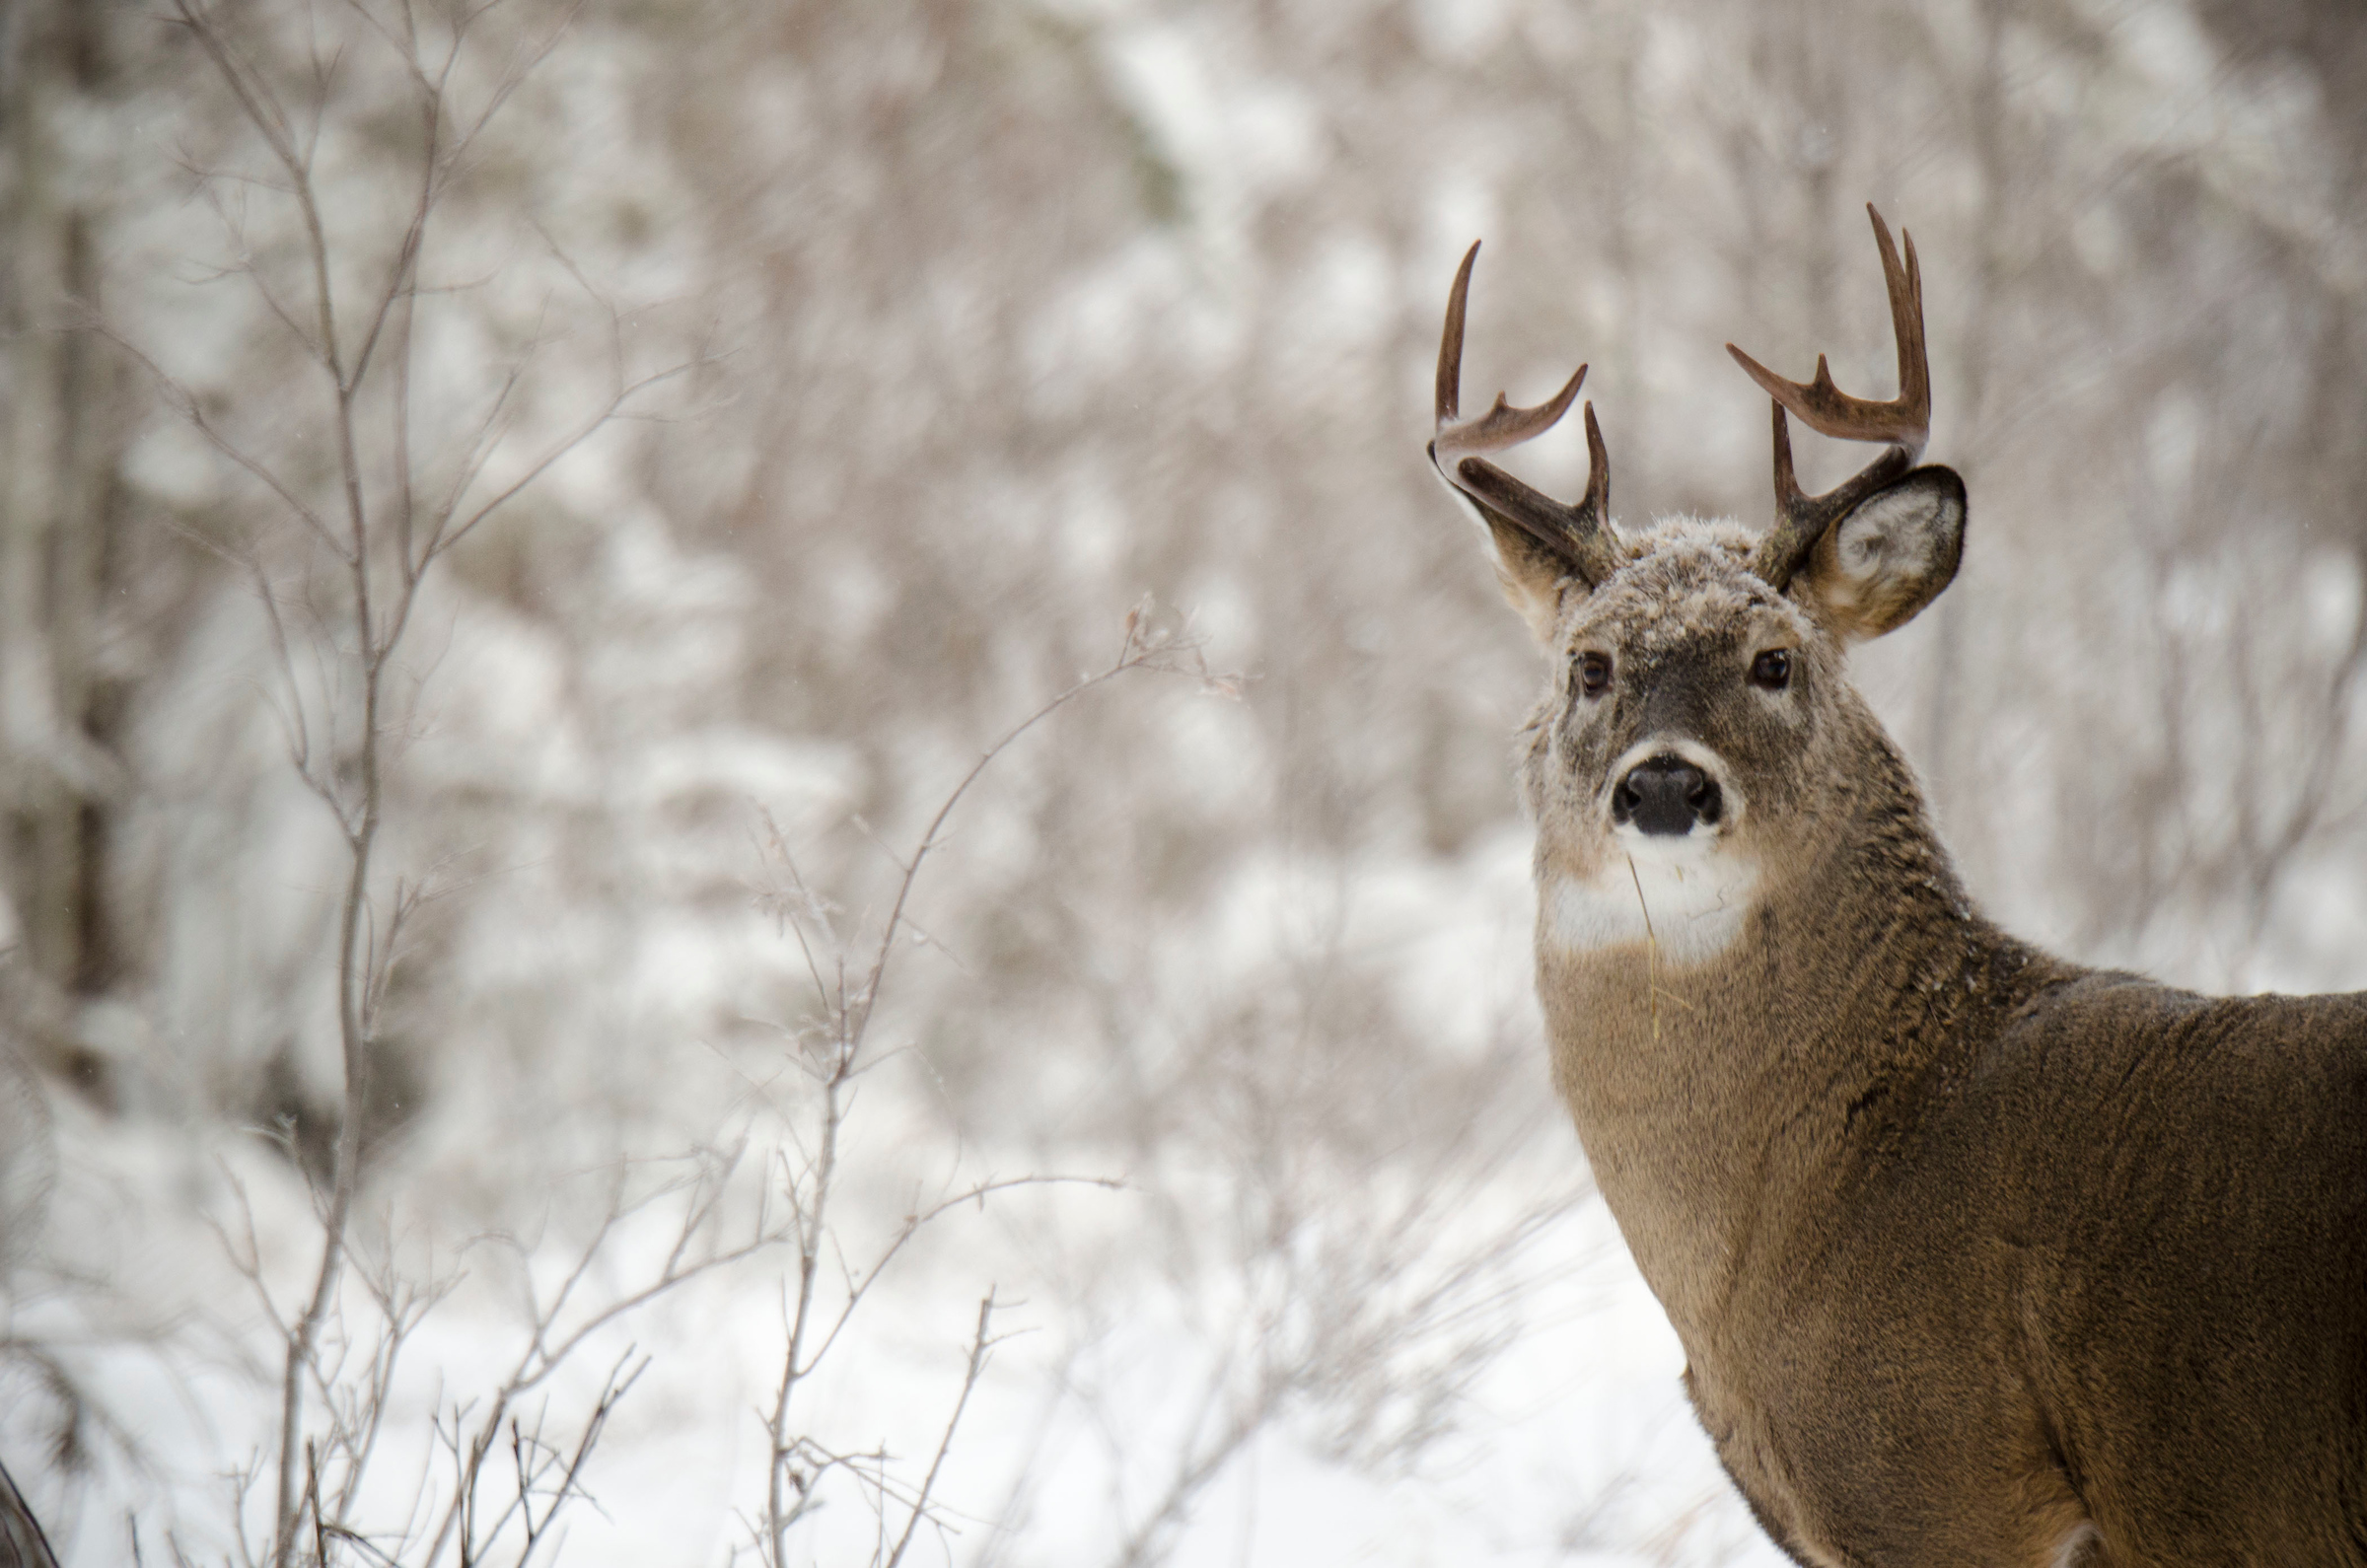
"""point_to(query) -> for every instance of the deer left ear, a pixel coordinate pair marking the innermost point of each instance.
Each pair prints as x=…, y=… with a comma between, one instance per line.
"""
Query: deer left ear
x=1887, y=557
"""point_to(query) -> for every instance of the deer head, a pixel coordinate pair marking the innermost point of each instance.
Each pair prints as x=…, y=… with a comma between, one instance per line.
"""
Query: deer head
x=1699, y=706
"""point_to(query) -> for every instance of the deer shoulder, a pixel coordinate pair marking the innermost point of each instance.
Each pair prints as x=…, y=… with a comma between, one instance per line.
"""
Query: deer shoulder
x=1979, y=1257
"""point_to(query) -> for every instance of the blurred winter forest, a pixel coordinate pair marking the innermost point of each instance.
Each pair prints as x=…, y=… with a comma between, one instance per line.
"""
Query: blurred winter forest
x=517, y=516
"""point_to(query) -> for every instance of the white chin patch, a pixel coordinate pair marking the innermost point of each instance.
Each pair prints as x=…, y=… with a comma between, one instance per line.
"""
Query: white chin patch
x=1691, y=895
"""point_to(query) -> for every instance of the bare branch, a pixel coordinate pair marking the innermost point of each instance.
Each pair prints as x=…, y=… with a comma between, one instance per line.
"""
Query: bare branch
x=178, y=399
x=441, y=541
x=1136, y=653
x=980, y=1342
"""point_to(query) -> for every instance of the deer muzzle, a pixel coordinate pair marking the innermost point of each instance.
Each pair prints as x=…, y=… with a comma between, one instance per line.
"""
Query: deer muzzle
x=1665, y=795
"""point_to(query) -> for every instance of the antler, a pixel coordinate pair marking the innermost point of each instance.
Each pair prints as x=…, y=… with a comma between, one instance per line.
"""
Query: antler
x=1904, y=421
x=1579, y=534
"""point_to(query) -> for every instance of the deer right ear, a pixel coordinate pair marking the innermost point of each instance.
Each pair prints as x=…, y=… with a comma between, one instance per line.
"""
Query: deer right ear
x=1888, y=556
x=1532, y=576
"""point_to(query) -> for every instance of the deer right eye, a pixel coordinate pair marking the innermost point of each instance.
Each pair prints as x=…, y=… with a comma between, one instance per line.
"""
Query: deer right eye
x=1594, y=673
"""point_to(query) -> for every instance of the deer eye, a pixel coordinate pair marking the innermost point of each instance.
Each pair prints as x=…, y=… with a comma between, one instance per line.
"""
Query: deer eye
x=1772, y=669
x=1594, y=673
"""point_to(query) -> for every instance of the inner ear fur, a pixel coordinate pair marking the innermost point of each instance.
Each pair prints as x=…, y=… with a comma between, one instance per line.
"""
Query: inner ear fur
x=1887, y=557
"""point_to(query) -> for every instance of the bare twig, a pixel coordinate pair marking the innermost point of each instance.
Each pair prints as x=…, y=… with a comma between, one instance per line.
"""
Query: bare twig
x=849, y=1008
x=980, y=1343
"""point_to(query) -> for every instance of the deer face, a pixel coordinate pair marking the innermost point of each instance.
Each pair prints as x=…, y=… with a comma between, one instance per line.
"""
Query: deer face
x=1699, y=714
x=1684, y=702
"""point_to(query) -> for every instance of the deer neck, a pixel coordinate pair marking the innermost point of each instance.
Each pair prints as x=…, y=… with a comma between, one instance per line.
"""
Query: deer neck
x=1721, y=1068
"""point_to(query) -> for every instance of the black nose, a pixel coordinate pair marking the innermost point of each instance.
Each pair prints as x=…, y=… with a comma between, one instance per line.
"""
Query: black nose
x=1665, y=795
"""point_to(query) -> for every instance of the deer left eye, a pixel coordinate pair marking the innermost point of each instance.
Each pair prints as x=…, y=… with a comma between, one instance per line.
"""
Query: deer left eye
x=1772, y=669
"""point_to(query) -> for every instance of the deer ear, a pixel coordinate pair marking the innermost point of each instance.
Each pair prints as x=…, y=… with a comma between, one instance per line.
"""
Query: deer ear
x=1887, y=557
x=1533, y=579
x=1532, y=576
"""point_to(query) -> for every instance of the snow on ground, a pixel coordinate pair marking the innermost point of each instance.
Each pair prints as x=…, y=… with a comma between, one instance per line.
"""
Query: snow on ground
x=1572, y=1445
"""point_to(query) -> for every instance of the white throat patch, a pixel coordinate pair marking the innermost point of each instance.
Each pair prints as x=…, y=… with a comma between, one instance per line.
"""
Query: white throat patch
x=2068, y=1551
x=1690, y=895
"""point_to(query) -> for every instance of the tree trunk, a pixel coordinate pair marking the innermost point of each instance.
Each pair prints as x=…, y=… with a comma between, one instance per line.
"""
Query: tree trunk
x=55, y=779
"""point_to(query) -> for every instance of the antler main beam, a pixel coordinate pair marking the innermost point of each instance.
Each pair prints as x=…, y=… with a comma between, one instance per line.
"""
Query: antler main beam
x=1905, y=422
x=1578, y=534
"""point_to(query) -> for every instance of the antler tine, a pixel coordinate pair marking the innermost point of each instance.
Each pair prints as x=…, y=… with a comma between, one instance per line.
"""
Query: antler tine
x=1905, y=422
x=1502, y=426
x=1579, y=534
x=1449, y=345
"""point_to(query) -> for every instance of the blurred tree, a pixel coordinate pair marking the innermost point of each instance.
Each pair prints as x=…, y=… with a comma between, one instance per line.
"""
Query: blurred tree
x=58, y=776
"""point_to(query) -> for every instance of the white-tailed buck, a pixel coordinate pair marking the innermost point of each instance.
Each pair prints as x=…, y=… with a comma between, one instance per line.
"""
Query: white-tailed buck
x=1980, y=1257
